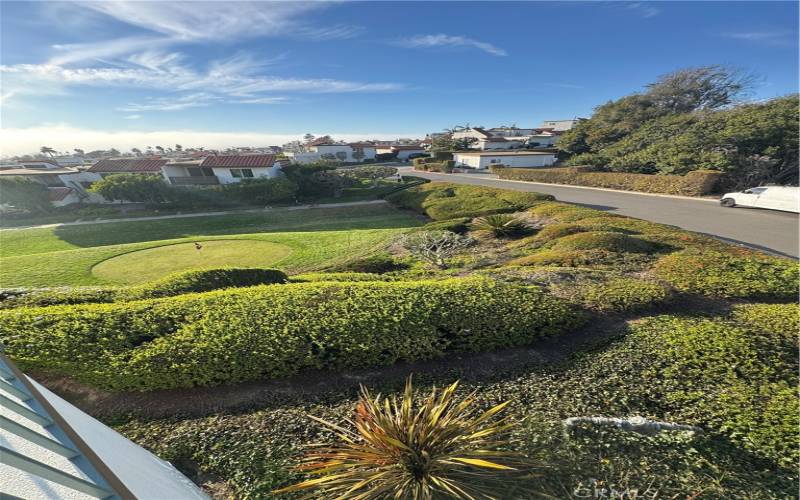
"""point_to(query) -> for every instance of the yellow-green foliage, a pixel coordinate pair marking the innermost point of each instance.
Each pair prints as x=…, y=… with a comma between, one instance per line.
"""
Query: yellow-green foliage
x=277, y=330
x=603, y=240
x=312, y=277
x=779, y=319
x=564, y=212
x=730, y=274
x=615, y=295
x=442, y=201
x=732, y=377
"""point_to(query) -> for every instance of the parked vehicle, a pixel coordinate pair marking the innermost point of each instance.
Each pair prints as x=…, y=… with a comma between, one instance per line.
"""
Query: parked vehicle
x=786, y=198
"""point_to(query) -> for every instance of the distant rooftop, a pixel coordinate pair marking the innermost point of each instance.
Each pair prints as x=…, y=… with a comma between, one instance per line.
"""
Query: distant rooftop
x=128, y=165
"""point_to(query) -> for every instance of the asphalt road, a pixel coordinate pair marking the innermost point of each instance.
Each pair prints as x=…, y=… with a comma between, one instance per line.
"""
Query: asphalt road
x=772, y=231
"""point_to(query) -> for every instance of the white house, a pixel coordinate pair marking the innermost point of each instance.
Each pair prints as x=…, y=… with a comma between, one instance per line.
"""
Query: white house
x=561, y=125
x=222, y=169
x=481, y=160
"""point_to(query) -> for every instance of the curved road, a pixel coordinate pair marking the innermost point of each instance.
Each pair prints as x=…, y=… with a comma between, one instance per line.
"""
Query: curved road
x=768, y=230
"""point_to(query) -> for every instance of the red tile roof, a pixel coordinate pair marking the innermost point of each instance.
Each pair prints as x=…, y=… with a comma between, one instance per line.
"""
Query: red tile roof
x=238, y=161
x=128, y=165
x=58, y=193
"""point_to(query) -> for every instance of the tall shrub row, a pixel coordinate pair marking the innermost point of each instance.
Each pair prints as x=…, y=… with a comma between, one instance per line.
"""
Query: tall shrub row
x=274, y=331
x=695, y=183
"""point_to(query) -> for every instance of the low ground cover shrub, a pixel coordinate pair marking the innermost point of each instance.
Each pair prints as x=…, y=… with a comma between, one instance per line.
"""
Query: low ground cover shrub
x=344, y=276
x=603, y=240
x=563, y=212
x=730, y=274
x=378, y=263
x=442, y=201
x=205, y=280
x=695, y=183
x=616, y=295
x=733, y=378
x=243, y=334
x=596, y=258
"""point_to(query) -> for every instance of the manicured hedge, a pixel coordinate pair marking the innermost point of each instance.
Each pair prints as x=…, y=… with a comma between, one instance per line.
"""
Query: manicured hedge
x=10, y=299
x=442, y=201
x=695, y=183
x=378, y=263
x=205, y=280
x=243, y=334
x=741, y=274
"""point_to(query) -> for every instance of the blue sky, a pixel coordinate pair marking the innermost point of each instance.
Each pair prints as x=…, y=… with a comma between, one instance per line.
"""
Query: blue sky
x=90, y=73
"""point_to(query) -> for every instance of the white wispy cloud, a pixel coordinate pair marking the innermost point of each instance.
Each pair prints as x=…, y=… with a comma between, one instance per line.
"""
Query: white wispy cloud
x=765, y=37
x=235, y=78
x=442, y=40
x=644, y=9
x=132, y=117
x=18, y=141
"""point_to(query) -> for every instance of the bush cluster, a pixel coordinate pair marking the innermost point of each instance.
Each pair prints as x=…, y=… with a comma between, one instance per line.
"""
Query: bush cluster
x=378, y=263
x=616, y=294
x=730, y=274
x=695, y=183
x=603, y=240
x=434, y=165
x=243, y=334
x=442, y=201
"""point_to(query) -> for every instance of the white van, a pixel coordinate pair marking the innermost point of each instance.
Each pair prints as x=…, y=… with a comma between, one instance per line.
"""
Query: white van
x=786, y=198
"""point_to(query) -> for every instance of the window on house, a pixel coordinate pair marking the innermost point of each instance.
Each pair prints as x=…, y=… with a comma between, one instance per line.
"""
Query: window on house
x=241, y=173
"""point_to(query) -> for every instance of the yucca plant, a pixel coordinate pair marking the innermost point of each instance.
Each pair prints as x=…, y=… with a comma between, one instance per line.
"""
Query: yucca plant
x=500, y=226
x=443, y=448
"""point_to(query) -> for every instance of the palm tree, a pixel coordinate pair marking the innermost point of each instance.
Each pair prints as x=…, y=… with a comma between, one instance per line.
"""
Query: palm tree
x=45, y=150
x=178, y=147
x=79, y=151
x=136, y=151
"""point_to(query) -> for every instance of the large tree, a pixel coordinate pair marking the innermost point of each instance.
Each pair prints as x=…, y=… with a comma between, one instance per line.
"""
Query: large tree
x=688, y=120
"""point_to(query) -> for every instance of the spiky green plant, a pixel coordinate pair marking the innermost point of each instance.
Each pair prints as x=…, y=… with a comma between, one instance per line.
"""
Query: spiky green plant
x=443, y=448
x=500, y=226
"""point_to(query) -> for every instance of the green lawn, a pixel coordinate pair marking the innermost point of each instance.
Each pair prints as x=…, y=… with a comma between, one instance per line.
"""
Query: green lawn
x=315, y=239
x=152, y=263
x=15, y=242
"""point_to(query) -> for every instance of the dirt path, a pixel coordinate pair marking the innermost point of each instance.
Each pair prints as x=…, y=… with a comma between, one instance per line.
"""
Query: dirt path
x=201, y=401
x=202, y=214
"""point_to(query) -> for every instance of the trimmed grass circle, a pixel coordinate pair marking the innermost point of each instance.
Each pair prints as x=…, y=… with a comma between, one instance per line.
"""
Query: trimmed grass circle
x=153, y=263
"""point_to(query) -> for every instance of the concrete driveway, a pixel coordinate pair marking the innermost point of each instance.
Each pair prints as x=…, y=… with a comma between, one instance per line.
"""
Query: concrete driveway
x=768, y=230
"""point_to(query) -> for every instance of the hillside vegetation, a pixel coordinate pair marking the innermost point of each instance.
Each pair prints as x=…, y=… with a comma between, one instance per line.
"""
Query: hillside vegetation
x=693, y=119
x=598, y=315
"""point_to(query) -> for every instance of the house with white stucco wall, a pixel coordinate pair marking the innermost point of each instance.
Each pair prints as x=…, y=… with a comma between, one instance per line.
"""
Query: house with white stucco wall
x=481, y=160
